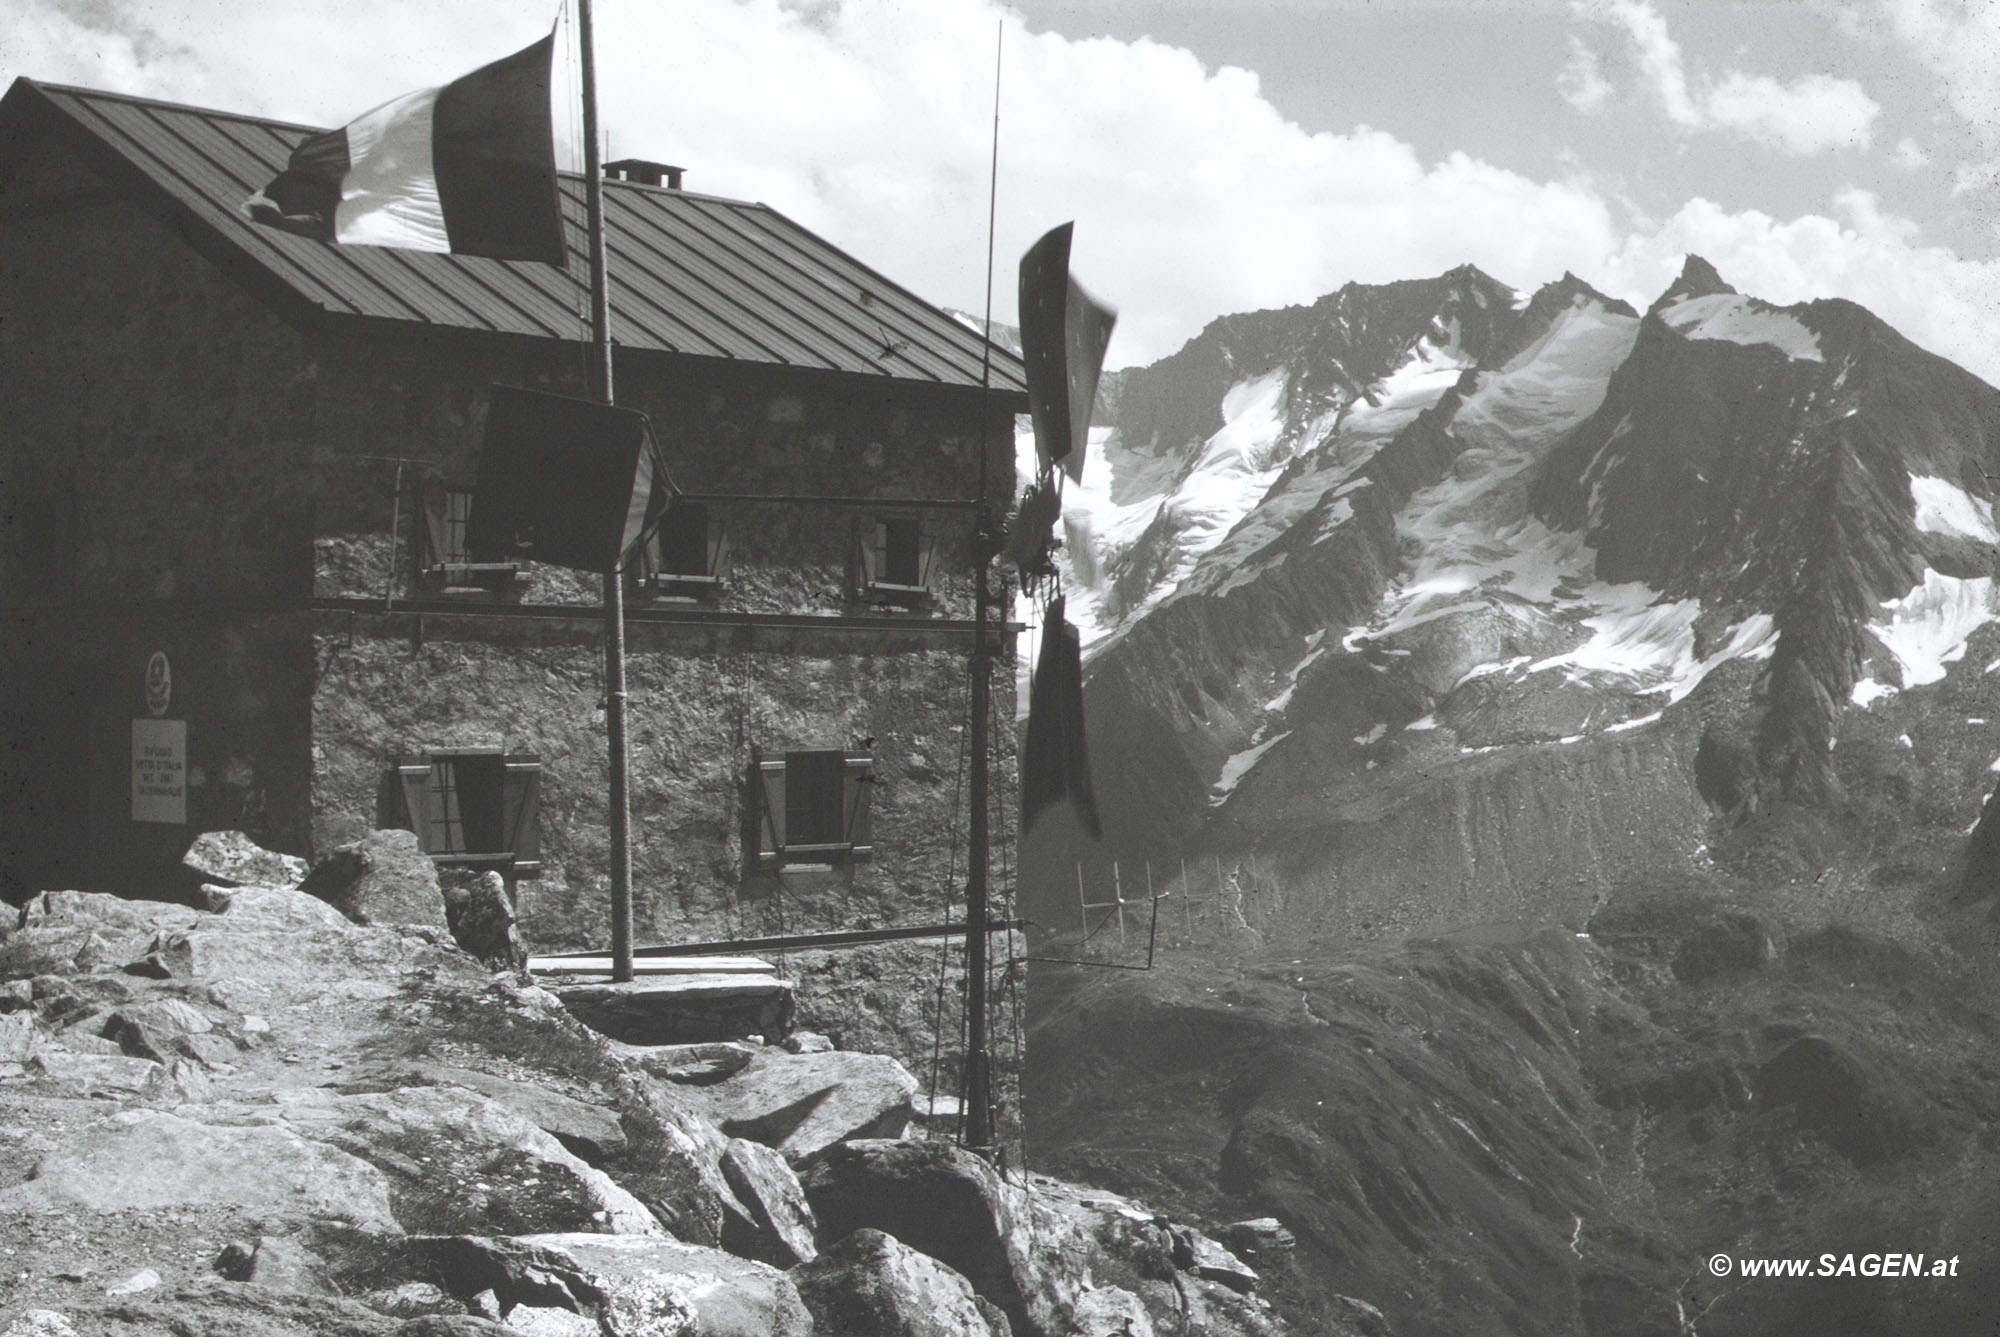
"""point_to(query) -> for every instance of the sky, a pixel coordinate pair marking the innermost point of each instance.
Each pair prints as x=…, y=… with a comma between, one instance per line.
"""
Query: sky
x=1223, y=155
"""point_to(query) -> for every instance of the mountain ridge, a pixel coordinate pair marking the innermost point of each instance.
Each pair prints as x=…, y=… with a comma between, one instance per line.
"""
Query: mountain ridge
x=1546, y=522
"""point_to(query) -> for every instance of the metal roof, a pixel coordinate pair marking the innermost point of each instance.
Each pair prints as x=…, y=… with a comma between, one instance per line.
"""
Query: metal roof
x=692, y=275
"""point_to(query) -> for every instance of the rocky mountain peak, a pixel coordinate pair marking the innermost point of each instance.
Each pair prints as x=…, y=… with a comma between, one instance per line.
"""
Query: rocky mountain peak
x=1698, y=278
x=1436, y=548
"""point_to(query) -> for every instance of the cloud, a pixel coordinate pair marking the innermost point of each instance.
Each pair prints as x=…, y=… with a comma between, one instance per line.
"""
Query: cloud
x=1815, y=113
x=1959, y=42
x=1812, y=114
x=1858, y=251
x=1582, y=83
x=1909, y=155
x=870, y=122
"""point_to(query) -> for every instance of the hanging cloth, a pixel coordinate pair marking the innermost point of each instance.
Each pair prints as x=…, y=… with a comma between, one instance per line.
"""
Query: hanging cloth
x=1055, y=761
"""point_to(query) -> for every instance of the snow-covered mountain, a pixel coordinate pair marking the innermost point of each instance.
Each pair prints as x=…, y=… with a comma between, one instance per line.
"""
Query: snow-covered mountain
x=1456, y=604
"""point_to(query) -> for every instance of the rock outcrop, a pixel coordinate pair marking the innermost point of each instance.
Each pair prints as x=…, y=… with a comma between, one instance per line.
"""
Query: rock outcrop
x=273, y=1119
x=232, y=859
x=383, y=878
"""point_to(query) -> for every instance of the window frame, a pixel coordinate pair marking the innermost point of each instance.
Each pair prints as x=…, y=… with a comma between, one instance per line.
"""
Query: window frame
x=432, y=791
x=774, y=781
x=648, y=572
x=872, y=558
x=443, y=564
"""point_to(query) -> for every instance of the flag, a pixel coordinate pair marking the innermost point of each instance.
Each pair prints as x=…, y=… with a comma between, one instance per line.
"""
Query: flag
x=468, y=168
x=1064, y=332
x=566, y=481
x=1055, y=763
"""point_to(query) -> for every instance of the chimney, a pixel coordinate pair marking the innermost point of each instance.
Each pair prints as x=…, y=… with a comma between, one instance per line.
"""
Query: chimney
x=644, y=173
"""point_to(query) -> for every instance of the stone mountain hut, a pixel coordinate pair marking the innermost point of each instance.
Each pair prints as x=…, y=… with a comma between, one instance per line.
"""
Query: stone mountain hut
x=235, y=468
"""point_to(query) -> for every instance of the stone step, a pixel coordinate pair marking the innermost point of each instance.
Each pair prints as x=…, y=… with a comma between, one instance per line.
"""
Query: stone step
x=650, y=965
x=682, y=1009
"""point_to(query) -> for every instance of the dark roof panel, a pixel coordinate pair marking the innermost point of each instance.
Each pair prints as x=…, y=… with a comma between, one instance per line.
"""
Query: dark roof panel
x=690, y=274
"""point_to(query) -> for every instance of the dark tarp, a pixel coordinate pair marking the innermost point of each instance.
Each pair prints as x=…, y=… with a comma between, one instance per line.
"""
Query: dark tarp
x=1055, y=761
x=564, y=481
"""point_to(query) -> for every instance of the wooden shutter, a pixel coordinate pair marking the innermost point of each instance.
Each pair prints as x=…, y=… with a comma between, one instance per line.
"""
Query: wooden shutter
x=865, y=559
x=414, y=778
x=926, y=550
x=521, y=801
x=857, y=788
x=457, y=510
x=770, y=794
x=432, y=525
x=718, y=546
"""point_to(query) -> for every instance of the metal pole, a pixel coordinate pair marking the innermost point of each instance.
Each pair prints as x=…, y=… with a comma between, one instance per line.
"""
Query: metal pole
x=1153, y=927
x=395, y=548
x=1187, y=901
x=978, y=1078
x=620, y=805
x=1118, y=895
x=978, y=1124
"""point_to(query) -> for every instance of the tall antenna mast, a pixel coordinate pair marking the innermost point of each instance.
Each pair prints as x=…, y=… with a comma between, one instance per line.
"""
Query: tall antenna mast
x=620, y=804
x=977, y=1129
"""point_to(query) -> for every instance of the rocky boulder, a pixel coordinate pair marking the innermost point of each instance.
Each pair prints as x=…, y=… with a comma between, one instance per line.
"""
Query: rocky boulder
x=873, y=1285
x=150, y=1160
x=585, y=1130
x=232, y=859
x=383, y=878
x=1055, y=1259
x=775, y=1224
x=481, y=914
x=800, y=1103
x=456, y=1162
x=632, y=1286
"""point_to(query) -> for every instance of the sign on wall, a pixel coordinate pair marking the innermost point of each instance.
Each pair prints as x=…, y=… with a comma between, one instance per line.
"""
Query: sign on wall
x=159, y=684
x=159, y=771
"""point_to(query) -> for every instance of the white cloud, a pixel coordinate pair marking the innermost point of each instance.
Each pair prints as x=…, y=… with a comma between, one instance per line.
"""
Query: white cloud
x=1909, y=155
x=1939, y=301
x=1582, y=82
x=1659, y=55
x=868, y=121
x=1814, y=113
x=1959, y=41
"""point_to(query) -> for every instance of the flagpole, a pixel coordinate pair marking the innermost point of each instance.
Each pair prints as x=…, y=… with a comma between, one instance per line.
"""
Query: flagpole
x=614, y=591
x=977, y=1129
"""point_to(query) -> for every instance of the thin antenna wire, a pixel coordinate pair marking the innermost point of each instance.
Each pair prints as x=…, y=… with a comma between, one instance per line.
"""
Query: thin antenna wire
x=992, y=212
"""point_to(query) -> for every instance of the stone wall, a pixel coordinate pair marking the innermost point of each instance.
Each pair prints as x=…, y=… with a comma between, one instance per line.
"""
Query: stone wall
x=158, y=416
x=723, y=430
x=153, y=498
x=699, y=700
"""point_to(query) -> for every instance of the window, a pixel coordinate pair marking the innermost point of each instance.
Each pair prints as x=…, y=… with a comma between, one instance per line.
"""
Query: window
x=474, y=807
x=892, y=561
x=444, y=566
x=812, y=807
x=683, y=558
